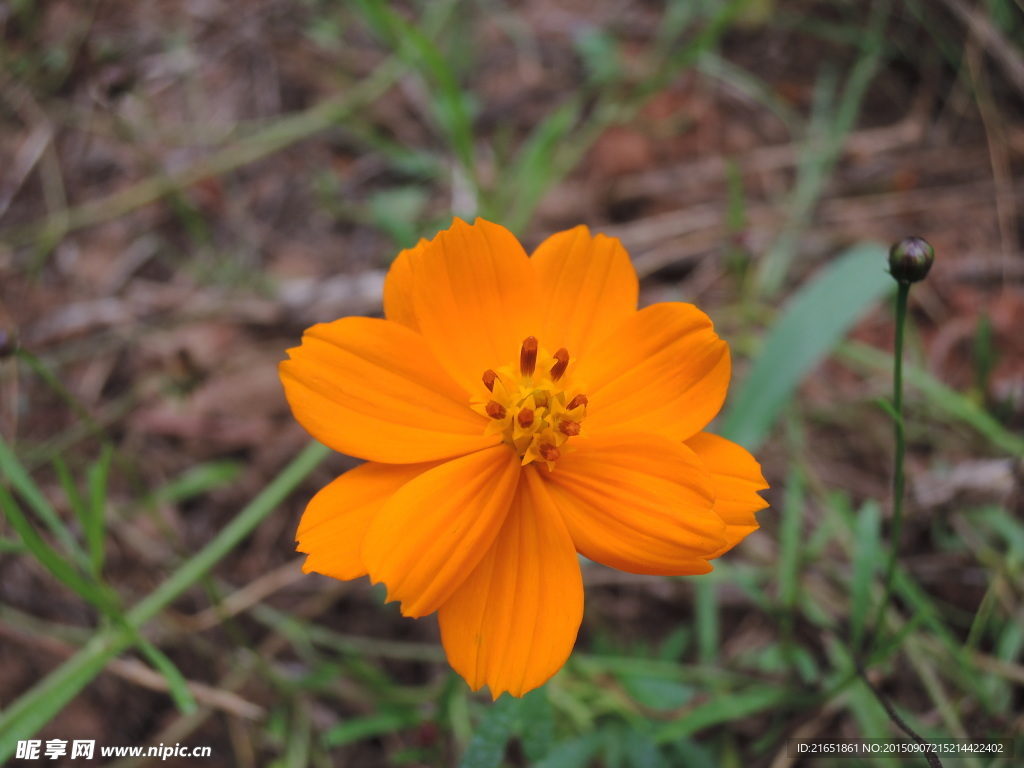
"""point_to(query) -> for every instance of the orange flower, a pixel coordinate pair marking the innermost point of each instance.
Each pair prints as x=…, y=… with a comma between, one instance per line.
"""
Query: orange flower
x=514, y=411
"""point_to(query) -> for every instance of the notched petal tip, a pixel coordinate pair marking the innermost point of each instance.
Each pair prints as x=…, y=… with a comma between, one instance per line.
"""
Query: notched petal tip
x=513, y=622
x=738, y=481
x=335, y=521
x=588, y=287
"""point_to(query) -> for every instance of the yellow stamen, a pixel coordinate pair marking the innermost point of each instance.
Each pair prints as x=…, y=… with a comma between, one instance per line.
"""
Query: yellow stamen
x=570, y=428
x=527, y=407
x=548, y=452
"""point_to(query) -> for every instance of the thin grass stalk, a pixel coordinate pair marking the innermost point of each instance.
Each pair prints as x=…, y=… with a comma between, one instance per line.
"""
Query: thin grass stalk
x=35, y=708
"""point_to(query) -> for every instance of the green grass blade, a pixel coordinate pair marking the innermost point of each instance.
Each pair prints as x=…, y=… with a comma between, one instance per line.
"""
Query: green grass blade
x=832, y=120
x=361, y=728
x=67, y=482
x=254, y=512
x=750, y=85
x=448, y=101
x=55, y=563
x=867, y=546
x=14, y=473
x=706, y=610
x=34, y=709
x=534, y=171
x=731, y=707
x=11, y=547
x=177, y=685
x=949, y=402
x=198, y=480
x=94, y=523
x=813, y=322
x=791, y=544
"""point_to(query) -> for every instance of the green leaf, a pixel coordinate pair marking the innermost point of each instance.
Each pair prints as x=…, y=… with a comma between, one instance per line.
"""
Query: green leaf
x=536, y=725
x=576, y=753
x=367, y=727
x=487, y=747
x=812, y=323
x=657, y=693
x=725, y=708
x=641, y=751
x=599, y=51
x=886, y=405
x=397, y=212
x=198, y=480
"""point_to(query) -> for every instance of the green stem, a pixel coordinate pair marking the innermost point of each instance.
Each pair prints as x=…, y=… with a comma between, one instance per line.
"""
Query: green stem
x=897, y=475
x=862, y=661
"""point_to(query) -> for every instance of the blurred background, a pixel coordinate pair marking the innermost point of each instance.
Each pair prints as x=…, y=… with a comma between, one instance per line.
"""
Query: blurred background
x=185, y=185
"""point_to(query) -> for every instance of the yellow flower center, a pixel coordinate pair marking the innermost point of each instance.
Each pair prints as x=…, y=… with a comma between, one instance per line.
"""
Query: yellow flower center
x=534, y=407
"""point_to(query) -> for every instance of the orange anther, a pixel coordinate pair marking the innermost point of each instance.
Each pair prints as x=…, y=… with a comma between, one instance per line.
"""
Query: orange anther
x=528, y=356
x=495, y=410
x=489, y=378
x=525, y=417
x=568, y=427
x=561, y=363
x=576, y=402
x=548, y=452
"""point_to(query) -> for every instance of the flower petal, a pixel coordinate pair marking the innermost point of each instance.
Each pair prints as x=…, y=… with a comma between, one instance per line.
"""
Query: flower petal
x=639, y=503
x=371, y=389
x=513, y=622
x=474, y=291
x=737, y=478
x=664, y=371
x=588, y=288
x=398, y=304
x=431, y=534
x=335, y=521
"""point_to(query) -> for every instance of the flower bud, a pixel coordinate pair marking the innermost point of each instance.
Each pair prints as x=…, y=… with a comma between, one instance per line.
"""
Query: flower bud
x=910, y=259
